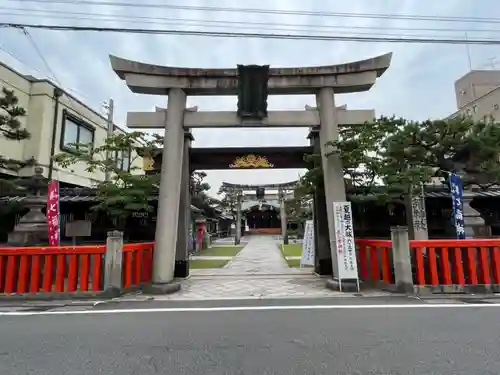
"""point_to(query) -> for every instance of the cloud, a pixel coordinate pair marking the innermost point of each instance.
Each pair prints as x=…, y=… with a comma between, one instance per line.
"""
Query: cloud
x=418, y=85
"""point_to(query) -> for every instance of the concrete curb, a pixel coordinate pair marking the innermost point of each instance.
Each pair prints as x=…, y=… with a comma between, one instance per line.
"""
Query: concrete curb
x=441, y=291
x=161, y=289
x=105, y=294
x=43, y=296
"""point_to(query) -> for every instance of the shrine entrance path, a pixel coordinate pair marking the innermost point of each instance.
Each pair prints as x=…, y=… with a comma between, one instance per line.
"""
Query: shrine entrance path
x=257, y=272
x=261, y=256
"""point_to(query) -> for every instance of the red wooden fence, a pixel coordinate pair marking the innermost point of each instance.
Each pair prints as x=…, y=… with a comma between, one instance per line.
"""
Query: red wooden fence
x=51, y=269
x=375, y=260
x=80, y=268
x=69, y=268
x=456, y=262
x=137, y=263
x=435, y=262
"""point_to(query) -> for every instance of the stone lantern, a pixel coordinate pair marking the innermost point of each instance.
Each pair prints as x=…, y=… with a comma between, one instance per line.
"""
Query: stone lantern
x=32, y=228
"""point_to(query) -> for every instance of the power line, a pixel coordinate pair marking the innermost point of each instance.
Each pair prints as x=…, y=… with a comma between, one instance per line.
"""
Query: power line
x=223, y=26
x=407, y=17
x=220, y=34
x=209, y=22
x=47, y=66
x=40, y=54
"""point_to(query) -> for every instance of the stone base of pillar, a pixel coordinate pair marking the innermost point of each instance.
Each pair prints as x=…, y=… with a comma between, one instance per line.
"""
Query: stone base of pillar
x=181, y=269
x=324, y=267
x=164, y=288
x=405, y=288
x=478, y=231
x=348, y=286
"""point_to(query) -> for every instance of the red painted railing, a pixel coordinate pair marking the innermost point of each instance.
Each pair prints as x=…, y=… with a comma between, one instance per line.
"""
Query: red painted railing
x=456, y=262
x=435, y=262
x=375, y=260
x=51, y=269
x=137, y=263
x=69, y=268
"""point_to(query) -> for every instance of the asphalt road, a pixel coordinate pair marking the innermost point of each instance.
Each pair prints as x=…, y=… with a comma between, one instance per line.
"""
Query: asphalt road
x=347, y=340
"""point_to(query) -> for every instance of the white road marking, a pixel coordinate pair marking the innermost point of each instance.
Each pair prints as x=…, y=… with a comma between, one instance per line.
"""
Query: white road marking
x=246, y=308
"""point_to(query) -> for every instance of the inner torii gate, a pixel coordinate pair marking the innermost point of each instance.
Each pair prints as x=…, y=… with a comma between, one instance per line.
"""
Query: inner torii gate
x=239, y=189
x=252, y=84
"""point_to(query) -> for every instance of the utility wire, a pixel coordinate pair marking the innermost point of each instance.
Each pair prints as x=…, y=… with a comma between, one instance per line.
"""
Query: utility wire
x=227, y=21
x=47, y=66
x=57, y=14
x=270, y=11
x=40, y=54
x=229, y=27
x=220, y=34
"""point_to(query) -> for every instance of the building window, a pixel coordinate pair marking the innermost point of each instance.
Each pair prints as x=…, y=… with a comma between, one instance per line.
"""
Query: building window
x=75, y=131
x=474, y=108
x=123, y=160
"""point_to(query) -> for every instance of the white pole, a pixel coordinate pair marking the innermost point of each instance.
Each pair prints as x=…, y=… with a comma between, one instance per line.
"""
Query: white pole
x=110, y=107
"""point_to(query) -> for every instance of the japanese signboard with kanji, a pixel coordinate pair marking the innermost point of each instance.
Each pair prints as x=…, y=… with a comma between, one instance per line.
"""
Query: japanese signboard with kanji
x=344, y=236
x=53, y=213
x=457, y=205
x=307, y=258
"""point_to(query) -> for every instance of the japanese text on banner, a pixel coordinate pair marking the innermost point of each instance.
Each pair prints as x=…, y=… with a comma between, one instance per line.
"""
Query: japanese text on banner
x=307, y=258
x=346, y=248
x=457, y=205
x=53, y=213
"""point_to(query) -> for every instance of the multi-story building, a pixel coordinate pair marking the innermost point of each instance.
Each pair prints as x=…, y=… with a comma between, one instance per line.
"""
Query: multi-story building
x=478, y=95
x=56, y=120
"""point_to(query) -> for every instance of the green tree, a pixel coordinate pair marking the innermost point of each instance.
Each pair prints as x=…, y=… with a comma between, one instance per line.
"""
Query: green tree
x=299, y=208
x=397, y=155
x=199, y=194
x=359, y=150
x=11, y=129
x=126, y=191
x=418, y=151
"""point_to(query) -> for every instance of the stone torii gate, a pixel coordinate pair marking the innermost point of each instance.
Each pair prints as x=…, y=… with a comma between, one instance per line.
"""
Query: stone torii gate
x=239, y=189
x=252, y=84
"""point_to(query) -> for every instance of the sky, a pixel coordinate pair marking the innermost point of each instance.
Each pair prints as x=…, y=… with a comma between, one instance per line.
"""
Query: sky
x=418, y=85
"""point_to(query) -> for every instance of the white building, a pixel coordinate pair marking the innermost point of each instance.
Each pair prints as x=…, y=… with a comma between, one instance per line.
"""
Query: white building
x=55, y=119
x=478, y=95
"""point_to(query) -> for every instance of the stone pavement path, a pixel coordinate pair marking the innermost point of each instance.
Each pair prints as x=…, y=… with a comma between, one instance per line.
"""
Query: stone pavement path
x=258, y=271
x=260, y=256
x=251, y=287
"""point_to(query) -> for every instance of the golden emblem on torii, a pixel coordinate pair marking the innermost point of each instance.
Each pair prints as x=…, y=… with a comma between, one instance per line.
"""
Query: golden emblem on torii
x=251, y=161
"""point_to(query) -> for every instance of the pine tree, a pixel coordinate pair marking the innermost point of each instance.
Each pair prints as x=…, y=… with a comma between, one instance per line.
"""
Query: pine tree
x=11, y=129
x=396, y=155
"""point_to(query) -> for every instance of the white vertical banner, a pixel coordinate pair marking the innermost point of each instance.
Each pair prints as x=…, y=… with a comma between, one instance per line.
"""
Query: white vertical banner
x=307, y=258
x=346, y=248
